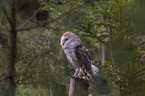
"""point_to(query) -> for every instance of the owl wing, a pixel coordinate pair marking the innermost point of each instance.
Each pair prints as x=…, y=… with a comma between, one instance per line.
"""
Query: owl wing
x=83, y=57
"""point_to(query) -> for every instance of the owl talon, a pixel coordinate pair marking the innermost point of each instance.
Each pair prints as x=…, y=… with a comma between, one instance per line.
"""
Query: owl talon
x=77, y=77
x=69, y=77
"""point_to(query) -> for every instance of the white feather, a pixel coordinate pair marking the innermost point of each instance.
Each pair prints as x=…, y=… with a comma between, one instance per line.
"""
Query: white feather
x=95, y=70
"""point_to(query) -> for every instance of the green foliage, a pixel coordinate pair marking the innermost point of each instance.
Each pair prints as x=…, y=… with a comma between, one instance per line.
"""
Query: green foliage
x=23, y=91
x=41, y=62
x=126, y=78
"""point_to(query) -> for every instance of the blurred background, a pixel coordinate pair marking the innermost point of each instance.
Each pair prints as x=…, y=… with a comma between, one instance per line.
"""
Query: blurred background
x=32, y=61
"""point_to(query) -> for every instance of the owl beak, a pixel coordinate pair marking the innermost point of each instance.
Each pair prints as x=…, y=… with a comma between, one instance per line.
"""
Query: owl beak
x=62, y=44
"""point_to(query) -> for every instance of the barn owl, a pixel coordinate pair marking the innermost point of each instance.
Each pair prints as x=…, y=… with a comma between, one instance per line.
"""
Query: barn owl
x=78, y=56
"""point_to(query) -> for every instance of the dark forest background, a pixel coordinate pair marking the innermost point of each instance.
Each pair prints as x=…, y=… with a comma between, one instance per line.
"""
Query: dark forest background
x=32, y=60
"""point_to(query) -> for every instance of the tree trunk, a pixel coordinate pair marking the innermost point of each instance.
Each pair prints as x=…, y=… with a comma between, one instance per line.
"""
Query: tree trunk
x=103, y=55
x=12, y=50
x=58, y=90
x=78, y=87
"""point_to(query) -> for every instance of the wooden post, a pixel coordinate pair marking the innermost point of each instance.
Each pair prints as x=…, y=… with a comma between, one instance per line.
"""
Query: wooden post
x=78, y=87
x=58, y=90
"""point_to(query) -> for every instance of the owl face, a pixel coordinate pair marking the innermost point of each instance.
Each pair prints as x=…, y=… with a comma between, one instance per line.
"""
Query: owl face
x=69, y=40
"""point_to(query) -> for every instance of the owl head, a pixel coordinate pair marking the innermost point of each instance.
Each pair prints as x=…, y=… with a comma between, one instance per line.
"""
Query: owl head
x=69, y=40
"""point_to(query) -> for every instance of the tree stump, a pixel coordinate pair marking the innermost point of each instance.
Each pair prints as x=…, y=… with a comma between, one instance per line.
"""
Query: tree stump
x=58, y=90
x=78, y=87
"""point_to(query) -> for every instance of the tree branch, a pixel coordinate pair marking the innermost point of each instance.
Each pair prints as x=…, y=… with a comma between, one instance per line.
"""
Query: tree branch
x=7, y=16
x=46, y=22
x=92, y=35
x=34, y=14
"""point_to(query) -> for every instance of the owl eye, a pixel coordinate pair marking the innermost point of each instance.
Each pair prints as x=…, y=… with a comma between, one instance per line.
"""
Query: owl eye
x=66, y=40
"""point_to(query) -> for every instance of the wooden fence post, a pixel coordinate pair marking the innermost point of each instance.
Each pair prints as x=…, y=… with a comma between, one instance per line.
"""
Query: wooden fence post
x=78, y=87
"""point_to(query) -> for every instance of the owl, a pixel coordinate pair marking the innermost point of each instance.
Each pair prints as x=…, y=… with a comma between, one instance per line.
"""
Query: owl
x=78, y=55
